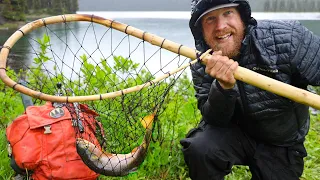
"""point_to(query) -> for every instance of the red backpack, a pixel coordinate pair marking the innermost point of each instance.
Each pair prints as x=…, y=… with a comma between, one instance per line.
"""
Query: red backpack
x=43, y=142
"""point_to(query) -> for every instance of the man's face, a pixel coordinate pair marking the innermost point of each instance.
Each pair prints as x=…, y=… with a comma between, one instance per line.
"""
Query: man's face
x=223, y=30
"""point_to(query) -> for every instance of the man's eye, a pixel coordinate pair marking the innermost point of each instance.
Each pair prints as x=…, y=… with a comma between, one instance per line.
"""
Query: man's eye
x=227, y=12
x=210, y=20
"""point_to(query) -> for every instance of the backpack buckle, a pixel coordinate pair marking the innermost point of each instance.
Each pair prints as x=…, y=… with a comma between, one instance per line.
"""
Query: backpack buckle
x=9, y=148
x=47, y=129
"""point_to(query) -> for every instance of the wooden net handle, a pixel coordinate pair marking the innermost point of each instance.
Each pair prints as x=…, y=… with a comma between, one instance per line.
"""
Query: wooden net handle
x=277, y=87
x=242, y=74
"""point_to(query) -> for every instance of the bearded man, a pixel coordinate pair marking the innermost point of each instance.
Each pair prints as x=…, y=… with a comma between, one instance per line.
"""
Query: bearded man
x=242, y=124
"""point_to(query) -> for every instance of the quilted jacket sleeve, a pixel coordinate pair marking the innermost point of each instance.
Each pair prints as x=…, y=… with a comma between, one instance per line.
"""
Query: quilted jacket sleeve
x=216, y=104
x=305, y=55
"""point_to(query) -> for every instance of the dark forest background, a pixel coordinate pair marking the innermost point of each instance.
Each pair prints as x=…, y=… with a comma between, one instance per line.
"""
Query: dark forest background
x=17, y=10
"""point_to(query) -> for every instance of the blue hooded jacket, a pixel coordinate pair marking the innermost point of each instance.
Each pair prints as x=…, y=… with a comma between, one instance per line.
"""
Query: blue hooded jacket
x=283, y=50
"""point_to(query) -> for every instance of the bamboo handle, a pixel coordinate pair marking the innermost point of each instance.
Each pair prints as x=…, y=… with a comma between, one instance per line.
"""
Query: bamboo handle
x=277, y=87
x=263, y=82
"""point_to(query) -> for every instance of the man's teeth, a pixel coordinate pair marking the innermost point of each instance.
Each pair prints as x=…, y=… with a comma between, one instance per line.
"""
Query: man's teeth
x=225, y=36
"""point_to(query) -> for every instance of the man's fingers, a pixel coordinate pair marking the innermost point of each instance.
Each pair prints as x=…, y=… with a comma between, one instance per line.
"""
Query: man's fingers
x=226, y=73
x=217, y=53
x=233, y=67
x=216, y=69
x=229, y=76
x=222, y=68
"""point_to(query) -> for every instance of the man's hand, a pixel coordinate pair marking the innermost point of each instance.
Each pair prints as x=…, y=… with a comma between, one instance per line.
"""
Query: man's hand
x=222, y=68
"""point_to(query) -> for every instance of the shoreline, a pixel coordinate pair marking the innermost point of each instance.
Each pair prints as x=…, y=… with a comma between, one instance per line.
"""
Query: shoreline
x=11, y=25
x=17, y=24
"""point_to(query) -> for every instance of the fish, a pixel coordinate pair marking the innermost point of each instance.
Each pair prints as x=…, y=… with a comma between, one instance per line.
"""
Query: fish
x=110, y=164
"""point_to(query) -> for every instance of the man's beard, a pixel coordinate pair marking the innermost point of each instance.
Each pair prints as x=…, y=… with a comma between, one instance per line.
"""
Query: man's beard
x=231, y=52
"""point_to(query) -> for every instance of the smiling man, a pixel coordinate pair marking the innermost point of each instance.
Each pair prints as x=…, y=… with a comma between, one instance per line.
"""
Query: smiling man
x=223, y=29
x=242, y=124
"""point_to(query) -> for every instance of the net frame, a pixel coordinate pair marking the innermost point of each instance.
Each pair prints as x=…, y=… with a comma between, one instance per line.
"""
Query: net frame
x=145, y=36
x=242, y=74
x=138, y=153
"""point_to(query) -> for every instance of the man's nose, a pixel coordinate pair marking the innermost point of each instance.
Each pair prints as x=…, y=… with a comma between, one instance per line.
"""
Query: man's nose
x=221, y=24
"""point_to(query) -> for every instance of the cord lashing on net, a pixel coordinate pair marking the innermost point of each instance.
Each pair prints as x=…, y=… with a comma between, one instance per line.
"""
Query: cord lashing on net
x=92, y=59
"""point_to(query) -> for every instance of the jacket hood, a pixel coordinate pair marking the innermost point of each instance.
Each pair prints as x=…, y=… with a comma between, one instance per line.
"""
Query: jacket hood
x=200, y=6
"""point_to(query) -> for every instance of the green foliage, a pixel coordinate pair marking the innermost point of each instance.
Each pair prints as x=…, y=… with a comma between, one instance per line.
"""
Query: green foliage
x=7, y=7
x=10, y=104
x=16, y=10
x=54, y=7
x=5, y=169
x=10, y=107
x=317, y=89
x=44, y=44
x=312, y=169
x=291, y=6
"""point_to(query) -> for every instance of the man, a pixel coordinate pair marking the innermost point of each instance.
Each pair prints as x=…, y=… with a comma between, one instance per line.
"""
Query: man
x=242, y=124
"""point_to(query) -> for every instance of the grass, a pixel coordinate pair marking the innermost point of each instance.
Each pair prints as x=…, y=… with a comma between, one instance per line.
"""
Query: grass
x=164, y=161
x=158, y=166
x=312, y=161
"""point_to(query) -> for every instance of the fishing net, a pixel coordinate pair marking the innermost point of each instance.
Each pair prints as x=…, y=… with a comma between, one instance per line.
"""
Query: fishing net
x=121, y=73
x=134, y=81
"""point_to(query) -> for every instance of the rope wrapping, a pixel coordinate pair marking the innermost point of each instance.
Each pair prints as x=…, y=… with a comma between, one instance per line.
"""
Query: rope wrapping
x=126, y=81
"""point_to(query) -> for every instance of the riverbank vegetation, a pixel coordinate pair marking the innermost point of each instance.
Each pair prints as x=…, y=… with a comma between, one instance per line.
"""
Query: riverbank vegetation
x=15, y=12
x=164, y=159
x=291, y=6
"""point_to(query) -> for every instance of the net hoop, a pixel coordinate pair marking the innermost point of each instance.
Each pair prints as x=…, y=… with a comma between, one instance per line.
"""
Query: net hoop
x=145, y=36
x=245, y=75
